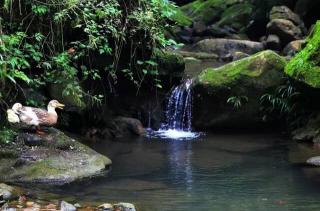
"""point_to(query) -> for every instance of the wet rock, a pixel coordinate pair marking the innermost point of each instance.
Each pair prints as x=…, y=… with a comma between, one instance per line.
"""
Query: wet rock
x=314, y=161
x=293, y=48
x=9, y=192
x=59, y=160
x=285, y=30
x=125, y=126
x=106, y=207
x=65, y=206
x=309, y=132
x=273, y=42
x=30, y=139
x=122, y=206
x=245, y=80
x=224, y=47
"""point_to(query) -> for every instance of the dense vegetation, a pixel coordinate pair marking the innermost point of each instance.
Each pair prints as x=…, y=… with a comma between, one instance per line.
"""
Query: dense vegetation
x=48, y=42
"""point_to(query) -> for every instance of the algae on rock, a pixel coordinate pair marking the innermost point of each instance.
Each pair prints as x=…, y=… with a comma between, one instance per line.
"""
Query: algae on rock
x=248, y=78
x=305, y=66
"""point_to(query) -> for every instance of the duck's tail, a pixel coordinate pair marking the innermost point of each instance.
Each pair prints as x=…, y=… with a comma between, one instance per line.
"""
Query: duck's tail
x=12, y=116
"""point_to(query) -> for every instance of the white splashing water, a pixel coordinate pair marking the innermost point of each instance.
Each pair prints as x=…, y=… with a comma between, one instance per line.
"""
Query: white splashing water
x=178, y=114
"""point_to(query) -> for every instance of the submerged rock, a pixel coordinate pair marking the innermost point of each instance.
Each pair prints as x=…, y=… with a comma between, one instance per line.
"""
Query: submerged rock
x=243, y=81
x=58, y=159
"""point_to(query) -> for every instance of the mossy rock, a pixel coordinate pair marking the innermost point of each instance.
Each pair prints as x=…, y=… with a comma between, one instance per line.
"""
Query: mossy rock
x=248, y=78
x=237, y=16
x=305, y=66
x=252, y=67
x=170, y=63
x=235, y=13
x=59, y=159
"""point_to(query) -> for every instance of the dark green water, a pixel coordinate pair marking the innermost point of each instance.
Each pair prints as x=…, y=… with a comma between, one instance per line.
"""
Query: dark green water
x=214, y=172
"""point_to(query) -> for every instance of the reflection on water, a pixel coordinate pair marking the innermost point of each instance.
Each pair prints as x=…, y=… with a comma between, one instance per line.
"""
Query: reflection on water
x=180, y=166
x=214, y=172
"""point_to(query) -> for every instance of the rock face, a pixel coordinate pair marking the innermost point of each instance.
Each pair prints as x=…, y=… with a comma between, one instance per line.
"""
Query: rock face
x=225, y=48
x=54, y=158
x=246, y=81
x=304, y=66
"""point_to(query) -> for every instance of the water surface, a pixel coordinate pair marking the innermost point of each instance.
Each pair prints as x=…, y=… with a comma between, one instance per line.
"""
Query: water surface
x=212, y=172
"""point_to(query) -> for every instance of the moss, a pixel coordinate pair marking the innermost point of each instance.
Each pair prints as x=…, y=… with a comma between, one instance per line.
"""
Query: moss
x=181, y=18
x=42, y=168
x=7, y=135
x=305, y=66
x=237, y=16
x=170, y=62
x=207, y=10
x=249, y=67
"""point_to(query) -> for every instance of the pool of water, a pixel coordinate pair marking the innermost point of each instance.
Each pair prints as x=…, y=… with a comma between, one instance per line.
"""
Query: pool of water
x=211, y=172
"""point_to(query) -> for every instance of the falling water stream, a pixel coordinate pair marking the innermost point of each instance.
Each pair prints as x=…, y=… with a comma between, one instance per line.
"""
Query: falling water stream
x=178, y=114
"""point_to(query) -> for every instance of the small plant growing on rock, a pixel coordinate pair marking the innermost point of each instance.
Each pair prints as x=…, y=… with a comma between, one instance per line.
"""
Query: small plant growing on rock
x=237, y=101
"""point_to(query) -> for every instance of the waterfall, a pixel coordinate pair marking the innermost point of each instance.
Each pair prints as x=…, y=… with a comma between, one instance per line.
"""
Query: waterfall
x=178, y=113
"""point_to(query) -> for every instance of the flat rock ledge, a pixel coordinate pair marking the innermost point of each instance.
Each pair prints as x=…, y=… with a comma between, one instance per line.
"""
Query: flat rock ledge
x=54, y=158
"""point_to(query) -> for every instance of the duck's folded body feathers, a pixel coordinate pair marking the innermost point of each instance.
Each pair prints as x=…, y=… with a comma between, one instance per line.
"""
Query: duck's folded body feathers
x=37, y=116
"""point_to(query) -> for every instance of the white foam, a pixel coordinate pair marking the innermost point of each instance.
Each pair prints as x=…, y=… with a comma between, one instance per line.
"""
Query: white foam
x=175, y=134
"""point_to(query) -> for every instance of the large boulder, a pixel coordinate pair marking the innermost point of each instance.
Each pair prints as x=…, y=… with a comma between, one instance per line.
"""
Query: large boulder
x=286, y=30
x=52, y=158
x=229, y=96
x=225, y=48
x=305, y=66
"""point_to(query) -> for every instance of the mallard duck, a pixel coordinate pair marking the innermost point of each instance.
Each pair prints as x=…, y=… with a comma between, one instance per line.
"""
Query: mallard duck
x=35, y=116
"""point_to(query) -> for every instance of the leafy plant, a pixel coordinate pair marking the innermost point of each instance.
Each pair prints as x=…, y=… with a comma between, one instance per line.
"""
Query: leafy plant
x=6, y=135
x=237, y=101
x=284, y=103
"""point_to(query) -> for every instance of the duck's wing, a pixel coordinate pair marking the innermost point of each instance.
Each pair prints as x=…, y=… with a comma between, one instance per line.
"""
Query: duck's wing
x=32, y=116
